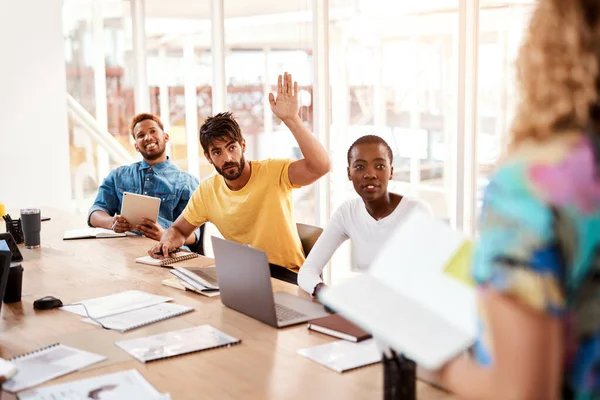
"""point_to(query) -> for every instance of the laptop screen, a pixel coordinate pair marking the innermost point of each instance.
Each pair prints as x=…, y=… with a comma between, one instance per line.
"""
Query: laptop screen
x=5, y=257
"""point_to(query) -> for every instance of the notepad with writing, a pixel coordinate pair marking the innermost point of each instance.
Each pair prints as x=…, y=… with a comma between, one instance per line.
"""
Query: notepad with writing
x=176, y=343
x=175, y=258
x=337, y=326
x=47, y=363
x=342, y=355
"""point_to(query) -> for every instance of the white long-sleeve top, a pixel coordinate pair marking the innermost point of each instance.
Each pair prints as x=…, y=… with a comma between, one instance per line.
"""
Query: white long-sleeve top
x=352, y=221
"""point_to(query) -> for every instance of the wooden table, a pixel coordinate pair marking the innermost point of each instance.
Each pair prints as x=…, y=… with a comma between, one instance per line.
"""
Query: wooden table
x=264, y=366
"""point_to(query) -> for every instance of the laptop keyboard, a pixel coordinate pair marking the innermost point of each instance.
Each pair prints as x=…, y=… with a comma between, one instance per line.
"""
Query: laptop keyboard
x=285, y=314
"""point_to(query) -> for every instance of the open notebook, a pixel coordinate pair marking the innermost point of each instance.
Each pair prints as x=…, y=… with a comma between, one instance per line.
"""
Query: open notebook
x=416, y=297
x=141, y=317
x=50, y=362
x=175, y=258
x=91, y=233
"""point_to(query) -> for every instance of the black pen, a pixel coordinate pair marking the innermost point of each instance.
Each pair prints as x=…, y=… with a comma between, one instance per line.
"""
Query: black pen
x=170, y=252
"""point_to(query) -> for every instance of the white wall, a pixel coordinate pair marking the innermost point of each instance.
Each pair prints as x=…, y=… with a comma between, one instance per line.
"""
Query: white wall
x=34, y=141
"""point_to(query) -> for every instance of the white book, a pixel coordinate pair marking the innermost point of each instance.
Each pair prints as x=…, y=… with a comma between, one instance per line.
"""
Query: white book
x=141, y=317
x=91, y=233
x=47, y=363
x=342, y=355
x=129, y=384
x=176, y=343
x=416, y=296
x=115, y=304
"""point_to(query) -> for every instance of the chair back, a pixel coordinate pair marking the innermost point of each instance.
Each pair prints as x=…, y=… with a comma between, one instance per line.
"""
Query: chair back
x=308, y=236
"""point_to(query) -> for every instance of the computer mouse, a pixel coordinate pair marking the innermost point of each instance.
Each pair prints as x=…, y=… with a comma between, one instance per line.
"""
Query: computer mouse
x=47, y=303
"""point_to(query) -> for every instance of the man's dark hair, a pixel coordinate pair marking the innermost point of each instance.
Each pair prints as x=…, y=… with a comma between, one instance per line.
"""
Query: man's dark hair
x=219, y=127
x=371, y=139
x=142, y=117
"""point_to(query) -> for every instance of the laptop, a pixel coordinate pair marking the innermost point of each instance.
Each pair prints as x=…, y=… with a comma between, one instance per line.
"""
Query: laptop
x=245, y=283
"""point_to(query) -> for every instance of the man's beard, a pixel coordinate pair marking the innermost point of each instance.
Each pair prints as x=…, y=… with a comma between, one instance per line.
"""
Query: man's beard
x=162, y=147
x=235, y=172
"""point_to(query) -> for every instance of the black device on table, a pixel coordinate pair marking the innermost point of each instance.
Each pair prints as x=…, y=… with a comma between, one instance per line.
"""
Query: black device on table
x=12, y=294
x=6, y=256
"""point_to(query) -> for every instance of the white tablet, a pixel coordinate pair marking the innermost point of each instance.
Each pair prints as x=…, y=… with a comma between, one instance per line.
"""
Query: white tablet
x=137, y=206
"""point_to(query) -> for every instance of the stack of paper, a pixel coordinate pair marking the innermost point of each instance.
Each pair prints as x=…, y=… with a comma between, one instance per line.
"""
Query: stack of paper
x=201, y=280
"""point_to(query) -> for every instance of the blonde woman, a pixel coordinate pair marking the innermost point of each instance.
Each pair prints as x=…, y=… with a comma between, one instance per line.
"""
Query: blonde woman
x=537, y=262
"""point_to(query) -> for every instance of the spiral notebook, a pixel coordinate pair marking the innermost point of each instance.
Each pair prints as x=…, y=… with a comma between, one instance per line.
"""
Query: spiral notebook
x=129, y=384
x=47, y=363
x=144, y=316
x=342, y=355
x=177, y=257
x=177, y=343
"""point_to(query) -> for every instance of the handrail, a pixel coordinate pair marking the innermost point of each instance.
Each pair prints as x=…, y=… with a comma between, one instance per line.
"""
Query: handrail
x=99, y=135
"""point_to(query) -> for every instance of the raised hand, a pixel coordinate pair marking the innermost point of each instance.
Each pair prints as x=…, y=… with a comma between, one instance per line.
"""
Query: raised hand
x=285, y=106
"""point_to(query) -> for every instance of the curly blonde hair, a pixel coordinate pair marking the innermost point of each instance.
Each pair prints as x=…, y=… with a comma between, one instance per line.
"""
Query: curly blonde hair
x=557, y=70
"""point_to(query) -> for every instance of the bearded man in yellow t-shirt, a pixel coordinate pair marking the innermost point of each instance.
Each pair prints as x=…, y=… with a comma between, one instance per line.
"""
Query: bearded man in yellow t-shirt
x=250, y=202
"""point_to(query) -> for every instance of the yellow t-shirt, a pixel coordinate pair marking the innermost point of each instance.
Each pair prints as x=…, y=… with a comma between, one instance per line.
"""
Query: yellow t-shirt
x=260, y=214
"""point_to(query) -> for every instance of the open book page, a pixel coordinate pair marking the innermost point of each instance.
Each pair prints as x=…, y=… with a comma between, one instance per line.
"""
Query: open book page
x=128, y=384
x=414, y=297
x=115, y=303
x=415, y=262
x=46, y=364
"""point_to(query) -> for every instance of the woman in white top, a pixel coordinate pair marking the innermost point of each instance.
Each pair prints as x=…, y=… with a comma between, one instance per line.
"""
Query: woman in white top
x=367, y=221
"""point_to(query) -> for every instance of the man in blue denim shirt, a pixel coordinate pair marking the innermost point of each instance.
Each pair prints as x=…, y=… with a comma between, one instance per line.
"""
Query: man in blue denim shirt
x=154, y=176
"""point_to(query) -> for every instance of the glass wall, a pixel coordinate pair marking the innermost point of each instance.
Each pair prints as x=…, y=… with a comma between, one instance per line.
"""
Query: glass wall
x=501, y=33
x=255, y=57
x=394, y=72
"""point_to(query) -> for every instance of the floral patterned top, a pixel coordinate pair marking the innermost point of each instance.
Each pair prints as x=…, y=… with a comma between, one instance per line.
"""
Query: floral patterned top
x=539, y=242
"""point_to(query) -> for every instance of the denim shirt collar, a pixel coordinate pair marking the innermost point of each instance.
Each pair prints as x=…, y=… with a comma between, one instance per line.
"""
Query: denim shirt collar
x=157, y=167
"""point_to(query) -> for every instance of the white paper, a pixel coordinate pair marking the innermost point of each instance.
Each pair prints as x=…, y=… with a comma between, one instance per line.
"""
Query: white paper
x=176, y=343
x=343, y=355
x=115, y=304
x=128, y=384
x=140, y=317
x=47, y=364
